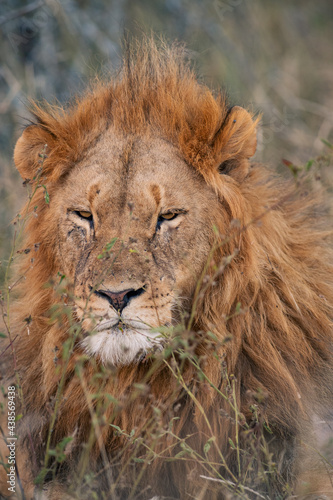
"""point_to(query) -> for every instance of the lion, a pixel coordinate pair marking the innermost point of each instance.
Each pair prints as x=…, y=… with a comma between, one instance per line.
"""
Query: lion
x=174, y=322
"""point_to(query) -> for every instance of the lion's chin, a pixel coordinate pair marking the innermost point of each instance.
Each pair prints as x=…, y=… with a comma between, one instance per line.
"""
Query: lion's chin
x=116, y=347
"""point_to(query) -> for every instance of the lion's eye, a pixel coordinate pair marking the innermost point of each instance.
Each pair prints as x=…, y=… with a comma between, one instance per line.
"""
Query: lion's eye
x=83, y=214
x=168, y=216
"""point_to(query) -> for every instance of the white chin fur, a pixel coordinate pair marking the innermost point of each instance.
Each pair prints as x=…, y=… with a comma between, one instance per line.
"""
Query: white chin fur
x=115, y=347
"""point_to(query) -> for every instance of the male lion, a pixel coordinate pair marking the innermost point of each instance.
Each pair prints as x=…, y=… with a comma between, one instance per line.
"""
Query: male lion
x=175, y=318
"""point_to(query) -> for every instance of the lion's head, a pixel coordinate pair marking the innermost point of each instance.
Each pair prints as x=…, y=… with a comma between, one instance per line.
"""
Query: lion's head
x=146, y=204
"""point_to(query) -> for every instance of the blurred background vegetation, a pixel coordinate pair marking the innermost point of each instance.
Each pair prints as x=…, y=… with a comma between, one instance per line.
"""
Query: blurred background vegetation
x=274, y=57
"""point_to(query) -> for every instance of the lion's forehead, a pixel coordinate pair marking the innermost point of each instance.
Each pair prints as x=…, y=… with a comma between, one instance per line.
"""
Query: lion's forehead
x=140, y=173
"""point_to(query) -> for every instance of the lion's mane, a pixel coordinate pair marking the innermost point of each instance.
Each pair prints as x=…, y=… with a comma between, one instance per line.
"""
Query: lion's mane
x=280, y=273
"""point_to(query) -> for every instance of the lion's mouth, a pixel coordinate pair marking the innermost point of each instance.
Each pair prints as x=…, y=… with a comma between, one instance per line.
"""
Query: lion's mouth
x=120, y=325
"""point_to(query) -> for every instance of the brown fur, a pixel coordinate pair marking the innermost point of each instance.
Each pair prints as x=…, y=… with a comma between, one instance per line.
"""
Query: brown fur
x=280, y=273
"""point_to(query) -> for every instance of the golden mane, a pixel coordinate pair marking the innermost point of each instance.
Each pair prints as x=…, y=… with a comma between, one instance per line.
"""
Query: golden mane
x=267, y=302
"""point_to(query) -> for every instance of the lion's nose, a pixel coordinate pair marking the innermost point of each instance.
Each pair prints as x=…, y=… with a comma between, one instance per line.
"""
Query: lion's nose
x=119, y=300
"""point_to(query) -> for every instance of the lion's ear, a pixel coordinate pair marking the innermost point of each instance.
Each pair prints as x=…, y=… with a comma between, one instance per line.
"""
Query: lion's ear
x=30, y=150
x=235, y=142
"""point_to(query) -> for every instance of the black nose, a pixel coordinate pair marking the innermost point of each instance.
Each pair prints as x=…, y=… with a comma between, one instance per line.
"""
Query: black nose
x=119, y=300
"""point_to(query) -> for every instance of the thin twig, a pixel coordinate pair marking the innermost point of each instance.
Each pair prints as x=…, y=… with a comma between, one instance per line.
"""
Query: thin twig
x=9, y=345
x=230, y=483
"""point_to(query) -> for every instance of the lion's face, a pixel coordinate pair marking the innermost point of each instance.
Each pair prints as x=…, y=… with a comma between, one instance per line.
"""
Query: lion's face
x=135, y=229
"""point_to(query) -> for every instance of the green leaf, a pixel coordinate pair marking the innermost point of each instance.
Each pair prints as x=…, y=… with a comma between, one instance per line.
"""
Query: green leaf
x=232, y=444
x=267, y=427
x=41, y=475
x=293, y=168
x=107, y=248
x=208, y=445
x=308, y=165
x=62, y=277
x=111, y=398
x=46, y=195
x=327, y=143
x=180, y=454
x=212, y=336
x=64, y=442
x=117, y=428
x=3, y=335
x=186, y=447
